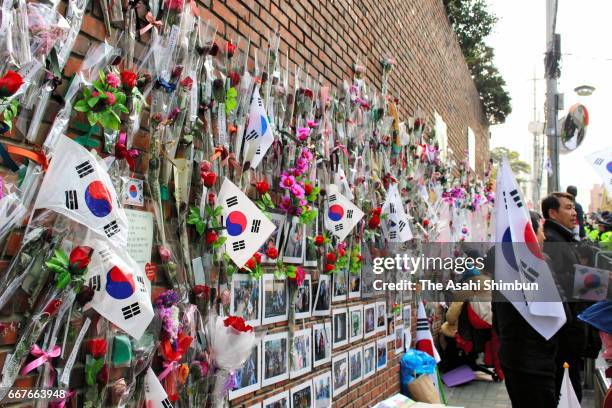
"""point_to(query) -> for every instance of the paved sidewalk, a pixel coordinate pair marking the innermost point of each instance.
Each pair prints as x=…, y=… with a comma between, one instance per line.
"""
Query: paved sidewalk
x=485, y=394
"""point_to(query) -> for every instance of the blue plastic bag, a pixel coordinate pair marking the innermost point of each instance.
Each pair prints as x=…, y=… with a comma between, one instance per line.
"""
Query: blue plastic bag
x=413, y=364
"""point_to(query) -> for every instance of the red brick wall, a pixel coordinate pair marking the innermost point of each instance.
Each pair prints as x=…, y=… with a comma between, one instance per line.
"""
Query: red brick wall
x=326, y=37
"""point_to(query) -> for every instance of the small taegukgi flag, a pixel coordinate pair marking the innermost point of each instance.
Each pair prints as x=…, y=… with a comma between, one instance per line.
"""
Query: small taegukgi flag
x=155, y=394
x=342, y=215
x=121, y=291
x=567, y=396
x=246, y=227
x=258, y=136
x=395, y=227
x=424, y=339
x=602, y=163
x=79, y=187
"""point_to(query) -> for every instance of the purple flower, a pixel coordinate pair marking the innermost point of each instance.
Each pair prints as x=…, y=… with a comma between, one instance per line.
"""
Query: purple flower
x=307, y=155
x=301, y=165
x=297, y=190
x=285, y=203
x=302, y=133
x=312, y=124
x=287, y=181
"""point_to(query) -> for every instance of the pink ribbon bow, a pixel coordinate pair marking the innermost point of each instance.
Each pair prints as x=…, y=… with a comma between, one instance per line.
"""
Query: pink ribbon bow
x=168, y=368
x=152, y=23
x=44, y=357
x=63, y=401
x=123, y=153
x=342, y=148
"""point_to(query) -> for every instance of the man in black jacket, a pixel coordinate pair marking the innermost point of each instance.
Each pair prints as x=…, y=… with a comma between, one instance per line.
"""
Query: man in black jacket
x=560, y=245
x=579, y=212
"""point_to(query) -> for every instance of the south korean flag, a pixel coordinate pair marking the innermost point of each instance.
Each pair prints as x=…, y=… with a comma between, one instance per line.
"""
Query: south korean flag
x=121, y=292
x=395, y=227
x=258, y=136
x=77, y=186
x=155, y=395
x=246, y=227
x=341, y=181
x=341, y=214
x=602, y=163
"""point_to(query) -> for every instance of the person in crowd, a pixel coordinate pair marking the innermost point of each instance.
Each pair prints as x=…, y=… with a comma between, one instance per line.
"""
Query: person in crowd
x=561, y=247
x=527, y=358
x=573, y=191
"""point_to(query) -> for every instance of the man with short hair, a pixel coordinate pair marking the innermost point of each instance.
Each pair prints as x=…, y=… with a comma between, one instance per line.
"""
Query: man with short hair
x=561, y=246
x=579, y=212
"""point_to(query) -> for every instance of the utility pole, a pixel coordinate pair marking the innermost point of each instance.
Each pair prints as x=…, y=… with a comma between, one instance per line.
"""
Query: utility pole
x=536, y=130
x=552, y=72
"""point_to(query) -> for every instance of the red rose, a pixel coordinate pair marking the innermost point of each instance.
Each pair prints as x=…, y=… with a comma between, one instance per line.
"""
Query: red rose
x=377, y=211
x=262, y=187
x=128, y=79
x=201, y=291
x=308, y=188
x=230, y=48
x=211, y=199
x=250, y=263
x=331, y=257
x=52, y=307
x=319, y=240
x=234, y=78
x=237, y=323
x=80, y=257
x=341, y=251
x=257, y=257
x=272, y=253
x=211, y=237
x=10, y=83
x=209, y=178
x=187, y=82
x=97, y=347
x=425, y=223
x=330, y=267
x=374, y=222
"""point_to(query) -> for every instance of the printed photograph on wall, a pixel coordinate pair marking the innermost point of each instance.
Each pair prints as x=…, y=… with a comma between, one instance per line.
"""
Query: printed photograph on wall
x=369, y=359
x=301, y=353
x=399, y=339
x=277, y=401
x=312, y=230
x=275, y=298
x=322, y=385
x=367, y=274
x=354, y=285
x=381, y=316
x=301, y=395
x=355, y=323
x=391, y=326
x=322, y=303
x=340, y=280
x=295, y=242
x=340, y=373
x=321, y=343
x=355, y=366
x=369, y=320
x=381, y=353
x=275, y=358
x=246, y=298
x=303, y=297
x=274, y=240
x=248, y=377
x=340, y=327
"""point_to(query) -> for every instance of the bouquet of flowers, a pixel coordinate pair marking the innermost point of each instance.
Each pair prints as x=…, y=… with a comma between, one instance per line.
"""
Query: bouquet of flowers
x=104, y=103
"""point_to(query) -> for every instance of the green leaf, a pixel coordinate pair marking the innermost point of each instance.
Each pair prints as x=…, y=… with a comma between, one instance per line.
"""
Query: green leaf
x=92, y=118
x=109, y=120
x=220, y=241
x=122, y=108
x=87, y=93
x=81, y=106
x=120, y=98
x=102, y=76
x=92, y=102
x=87, y=142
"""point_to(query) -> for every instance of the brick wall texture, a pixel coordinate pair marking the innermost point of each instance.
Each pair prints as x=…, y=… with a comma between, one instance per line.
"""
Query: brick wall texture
x=326, y=37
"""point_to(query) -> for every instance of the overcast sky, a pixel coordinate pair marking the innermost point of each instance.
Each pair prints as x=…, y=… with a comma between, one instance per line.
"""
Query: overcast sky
x=519, y=41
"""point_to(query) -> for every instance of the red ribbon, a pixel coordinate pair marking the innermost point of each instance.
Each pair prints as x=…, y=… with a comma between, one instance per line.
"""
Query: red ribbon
x=123, y=153
x=152, y=23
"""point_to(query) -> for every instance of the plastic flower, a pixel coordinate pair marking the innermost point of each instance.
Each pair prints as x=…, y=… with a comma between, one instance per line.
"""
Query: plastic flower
x=208, y=178
x=128, y=79
x=287, y=181
x=80, y=257
x=312, y=124
x=97, y=347
x=300, y=275
x=272, y=253
x=187, y=82
x=302, y=133
x=113, y=80
x=110, y=98
x=10, y=83
x=211, y=237
x=174, y=5
x=297, y=190
x=230, y=48
x=319, y=240
x=262, y=187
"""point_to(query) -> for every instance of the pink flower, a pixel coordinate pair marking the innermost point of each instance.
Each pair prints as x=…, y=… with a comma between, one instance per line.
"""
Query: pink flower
x=300, y=275
x=113, y=80
x=301, y=164
x=287, y=181
x=164, y=254
x=303, y=202
x=175, y=5
x=95, y=94
x=285, y=203
x=205, y=165
x=110, y=98
x=297, y=190
x=225, y=297
x=312, y=124
x=303, y=133
x=307, y=155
